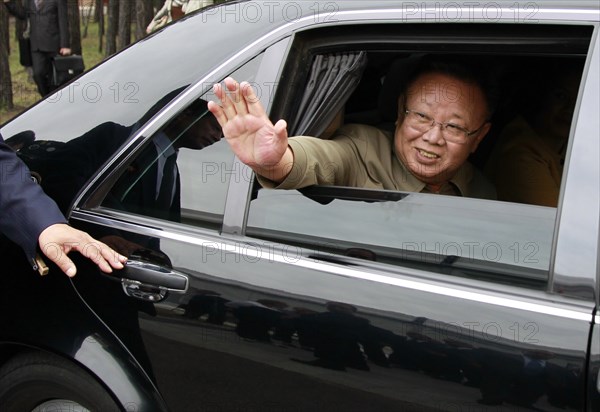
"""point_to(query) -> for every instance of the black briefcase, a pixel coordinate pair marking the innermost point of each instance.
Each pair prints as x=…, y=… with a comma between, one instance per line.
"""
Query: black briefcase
x=64, y=68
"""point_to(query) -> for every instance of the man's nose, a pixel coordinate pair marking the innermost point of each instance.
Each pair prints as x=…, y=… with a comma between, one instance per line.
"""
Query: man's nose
x=434, y=135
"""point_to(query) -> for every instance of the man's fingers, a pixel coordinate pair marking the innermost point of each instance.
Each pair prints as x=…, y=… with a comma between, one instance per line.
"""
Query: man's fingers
x=218, y=112
x=61, y=260
x=59, y=239
x=280, y=129
x=253, y=104
x=226, y=107
x=114, y=259
x=235, y=94
x=236, y=99
x=229, y=108
x=102, y=255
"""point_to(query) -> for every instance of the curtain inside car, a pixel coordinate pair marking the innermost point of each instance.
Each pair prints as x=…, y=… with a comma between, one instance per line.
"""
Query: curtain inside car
x=332, y=79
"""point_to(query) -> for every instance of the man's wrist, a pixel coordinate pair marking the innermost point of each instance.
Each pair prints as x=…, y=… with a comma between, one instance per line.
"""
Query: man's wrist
x=277, y=173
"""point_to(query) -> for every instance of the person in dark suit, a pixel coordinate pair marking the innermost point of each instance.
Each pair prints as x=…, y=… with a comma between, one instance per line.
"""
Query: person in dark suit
x=30, y=218
x=149, y=186
x=49, y=35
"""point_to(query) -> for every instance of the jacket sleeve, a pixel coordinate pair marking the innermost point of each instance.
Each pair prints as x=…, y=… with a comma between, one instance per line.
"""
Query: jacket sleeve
x=16, y=10
x=25, y=210
x=338, y=161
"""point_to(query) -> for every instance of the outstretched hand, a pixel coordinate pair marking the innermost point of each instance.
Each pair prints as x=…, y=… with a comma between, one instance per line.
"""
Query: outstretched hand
x=248, y=130
x=59, y=239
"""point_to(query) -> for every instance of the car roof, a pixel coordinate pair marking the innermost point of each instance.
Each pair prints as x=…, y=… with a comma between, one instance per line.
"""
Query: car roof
x=201, y=44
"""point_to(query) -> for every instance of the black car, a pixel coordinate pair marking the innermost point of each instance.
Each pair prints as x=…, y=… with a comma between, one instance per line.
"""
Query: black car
x=237, y=297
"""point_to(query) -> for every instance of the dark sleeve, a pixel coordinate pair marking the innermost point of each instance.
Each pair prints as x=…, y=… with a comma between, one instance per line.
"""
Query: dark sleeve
x=25, y=210
x=16, y=10
x=63, y=24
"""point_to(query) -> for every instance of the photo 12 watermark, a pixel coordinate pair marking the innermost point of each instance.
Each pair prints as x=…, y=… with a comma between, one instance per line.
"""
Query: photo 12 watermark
x=94, y=92
x=453, y=11
x=273, y=11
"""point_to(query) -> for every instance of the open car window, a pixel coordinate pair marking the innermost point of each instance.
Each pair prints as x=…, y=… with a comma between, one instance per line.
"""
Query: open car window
x=503, y=240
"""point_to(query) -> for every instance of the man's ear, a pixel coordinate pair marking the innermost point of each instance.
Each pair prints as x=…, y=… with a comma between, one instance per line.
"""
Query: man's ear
x=479, y=136
x=401, y=109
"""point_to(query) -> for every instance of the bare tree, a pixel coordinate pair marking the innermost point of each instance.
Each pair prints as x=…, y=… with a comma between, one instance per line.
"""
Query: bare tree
x=6, y=95
x=112, y=25
x=99, y=18
x=144, y=13
x=124, y=24
x=74, y=25
x=20, y=25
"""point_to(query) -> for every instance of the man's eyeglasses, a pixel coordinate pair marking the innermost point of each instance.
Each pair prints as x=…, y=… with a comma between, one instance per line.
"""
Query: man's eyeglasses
x=450, y=131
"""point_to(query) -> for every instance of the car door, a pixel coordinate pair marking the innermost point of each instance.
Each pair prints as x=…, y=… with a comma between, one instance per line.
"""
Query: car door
x=342, y=298
x=447, y=303
x=464, y=298
x=183, y=270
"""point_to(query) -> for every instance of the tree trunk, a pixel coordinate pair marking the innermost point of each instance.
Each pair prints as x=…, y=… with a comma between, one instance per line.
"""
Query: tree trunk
x=144, y=13
x=20, y=25
x=124, y=24
x=4, y=37
x=74, y=25
x=111, y=29
x=99, y=18
x=98, y=10
x=6, y=95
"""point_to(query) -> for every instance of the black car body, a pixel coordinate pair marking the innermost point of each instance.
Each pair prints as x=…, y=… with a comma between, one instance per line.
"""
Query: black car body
x=321, y=299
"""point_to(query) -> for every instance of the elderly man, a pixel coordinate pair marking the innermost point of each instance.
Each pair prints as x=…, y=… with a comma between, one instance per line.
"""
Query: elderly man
x=443, y=116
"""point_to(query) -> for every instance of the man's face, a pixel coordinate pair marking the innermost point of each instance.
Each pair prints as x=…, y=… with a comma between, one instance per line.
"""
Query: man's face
x=428, y=155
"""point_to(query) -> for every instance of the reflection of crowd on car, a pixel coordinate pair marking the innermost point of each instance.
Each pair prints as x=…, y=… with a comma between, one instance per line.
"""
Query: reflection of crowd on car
x=339, y=339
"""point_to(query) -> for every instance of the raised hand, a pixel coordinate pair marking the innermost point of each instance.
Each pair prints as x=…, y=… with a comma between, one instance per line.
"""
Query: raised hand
x=248, y=130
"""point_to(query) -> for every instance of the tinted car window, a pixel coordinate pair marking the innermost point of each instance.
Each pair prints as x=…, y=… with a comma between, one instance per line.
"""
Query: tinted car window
x=439, y=233
x=182, y=173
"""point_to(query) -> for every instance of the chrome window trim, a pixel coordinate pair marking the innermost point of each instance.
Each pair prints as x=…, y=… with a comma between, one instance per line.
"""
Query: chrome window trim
x=571, y=219
x=433, y=13
x=574, y=310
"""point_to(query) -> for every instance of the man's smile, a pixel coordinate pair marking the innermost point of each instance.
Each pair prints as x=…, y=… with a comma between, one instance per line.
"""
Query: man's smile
x=428, y=155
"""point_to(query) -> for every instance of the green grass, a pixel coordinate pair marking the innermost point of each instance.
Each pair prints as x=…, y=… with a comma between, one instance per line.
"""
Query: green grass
x=24, y=91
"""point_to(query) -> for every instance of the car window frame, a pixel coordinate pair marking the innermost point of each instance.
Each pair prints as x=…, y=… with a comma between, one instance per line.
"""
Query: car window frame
x=583, y=141
x=297, y=71
x=87, y=206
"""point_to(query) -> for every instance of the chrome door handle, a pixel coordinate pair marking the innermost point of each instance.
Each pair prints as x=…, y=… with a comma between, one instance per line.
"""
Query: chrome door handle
x=152, y=282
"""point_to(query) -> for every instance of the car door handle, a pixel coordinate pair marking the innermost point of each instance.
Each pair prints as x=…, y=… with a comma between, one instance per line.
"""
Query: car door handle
x=157, y=275
x=152, y=282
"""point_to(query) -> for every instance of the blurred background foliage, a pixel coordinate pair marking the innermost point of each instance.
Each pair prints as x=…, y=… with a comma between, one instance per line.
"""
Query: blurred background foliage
x=98, y=29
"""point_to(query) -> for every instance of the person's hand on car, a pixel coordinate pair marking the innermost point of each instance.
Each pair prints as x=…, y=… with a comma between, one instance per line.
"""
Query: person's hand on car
x=251, y=135
x=59, y=239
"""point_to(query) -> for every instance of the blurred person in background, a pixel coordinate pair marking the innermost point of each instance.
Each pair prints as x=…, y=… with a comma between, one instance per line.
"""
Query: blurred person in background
x=49, y=35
